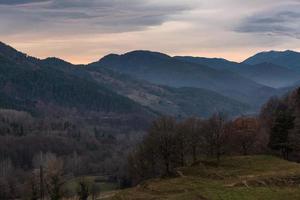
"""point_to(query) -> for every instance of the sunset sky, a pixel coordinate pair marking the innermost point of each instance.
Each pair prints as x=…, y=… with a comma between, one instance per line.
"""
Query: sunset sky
x=82, y=31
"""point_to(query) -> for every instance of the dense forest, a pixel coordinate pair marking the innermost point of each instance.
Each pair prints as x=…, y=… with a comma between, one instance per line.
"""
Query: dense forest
x=69, y=147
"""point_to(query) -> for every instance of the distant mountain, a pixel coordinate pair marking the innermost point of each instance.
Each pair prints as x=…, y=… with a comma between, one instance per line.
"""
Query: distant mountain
x=289, y=59
x=180, y=102
x=268, y=74
x=43, y=85
x=216, y=63
x=139, y=83
x=162, y=69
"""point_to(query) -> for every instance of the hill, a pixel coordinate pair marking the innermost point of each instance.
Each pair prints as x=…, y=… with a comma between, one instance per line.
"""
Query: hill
x=270, y=74
x=181, y=102
x=53, y=87
x=162, y=69
x=216, y=63
x=264, y=73
x=289, y=59
x=243, y=178
x=24, y=83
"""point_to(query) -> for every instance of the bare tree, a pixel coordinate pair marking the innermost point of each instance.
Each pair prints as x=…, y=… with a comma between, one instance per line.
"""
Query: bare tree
x=162, y=133
x=215, y=135
x=244, y=134
x=189, y=138
x=53, y=177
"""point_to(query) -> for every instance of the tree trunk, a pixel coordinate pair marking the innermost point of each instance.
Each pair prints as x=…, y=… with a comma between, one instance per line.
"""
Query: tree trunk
x=194, y=149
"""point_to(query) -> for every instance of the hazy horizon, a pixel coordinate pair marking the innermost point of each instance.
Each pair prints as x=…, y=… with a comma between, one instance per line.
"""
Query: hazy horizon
x=83, y=31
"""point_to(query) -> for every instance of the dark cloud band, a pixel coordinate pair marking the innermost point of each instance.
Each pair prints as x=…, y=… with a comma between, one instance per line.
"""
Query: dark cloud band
x=86, y=15
x=279, y=21
x=16, y=2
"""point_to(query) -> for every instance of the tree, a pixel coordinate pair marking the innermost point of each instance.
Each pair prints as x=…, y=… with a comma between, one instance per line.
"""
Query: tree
x=53, y=177
x=267, y=118
x=83, y=190
x=189, y=139
x=295, y=132
x=215, y=135
x=95, y=190
x=33, y=187
x=157, y=153
x=7, y=180
x=244, y=133
x=162, y=138
x=280, y=131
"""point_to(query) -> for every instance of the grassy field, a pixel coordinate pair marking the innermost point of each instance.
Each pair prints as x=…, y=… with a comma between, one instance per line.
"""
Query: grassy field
x=237, y=178
x=99, y=183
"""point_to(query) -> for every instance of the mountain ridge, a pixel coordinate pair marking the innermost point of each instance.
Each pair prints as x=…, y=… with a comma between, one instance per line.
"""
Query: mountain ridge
x=172, y=72
x=288, y=58
x=171, y=100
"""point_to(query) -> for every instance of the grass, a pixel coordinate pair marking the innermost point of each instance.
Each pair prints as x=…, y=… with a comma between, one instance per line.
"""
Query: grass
x=100, y=183
x=237, y=178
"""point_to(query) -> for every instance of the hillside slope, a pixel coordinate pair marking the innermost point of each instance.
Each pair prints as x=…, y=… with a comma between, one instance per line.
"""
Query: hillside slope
x=270, y=74
x=54, y=88
x=181, y=102
x=242, y=178
x=32, y=85
x=162, y=69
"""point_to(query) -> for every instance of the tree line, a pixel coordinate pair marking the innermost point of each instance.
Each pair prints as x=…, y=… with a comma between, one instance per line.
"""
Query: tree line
x=170, y=144
x=63, y=148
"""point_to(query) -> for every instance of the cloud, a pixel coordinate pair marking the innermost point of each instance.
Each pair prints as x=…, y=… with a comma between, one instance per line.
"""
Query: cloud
x=16, y=2
x=85, y=30
x=277, y=21
x=93, y=16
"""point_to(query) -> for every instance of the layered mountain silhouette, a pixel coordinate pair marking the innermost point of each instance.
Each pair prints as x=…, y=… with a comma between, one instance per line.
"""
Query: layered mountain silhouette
x=181, y=102
x=162, y=69
x=288, y=59
x=216, y=63
x=265, y=73
x=138, y=84
x=34, y=85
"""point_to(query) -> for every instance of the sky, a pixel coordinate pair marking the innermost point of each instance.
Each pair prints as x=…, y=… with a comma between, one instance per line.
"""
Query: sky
x=83, y=31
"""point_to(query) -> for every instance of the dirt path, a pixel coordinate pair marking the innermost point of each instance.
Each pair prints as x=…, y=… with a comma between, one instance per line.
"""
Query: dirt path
x=106, y=195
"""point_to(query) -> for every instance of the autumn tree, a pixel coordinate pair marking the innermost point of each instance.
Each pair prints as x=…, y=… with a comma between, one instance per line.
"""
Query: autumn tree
x=244, y=134
x=54, y=177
